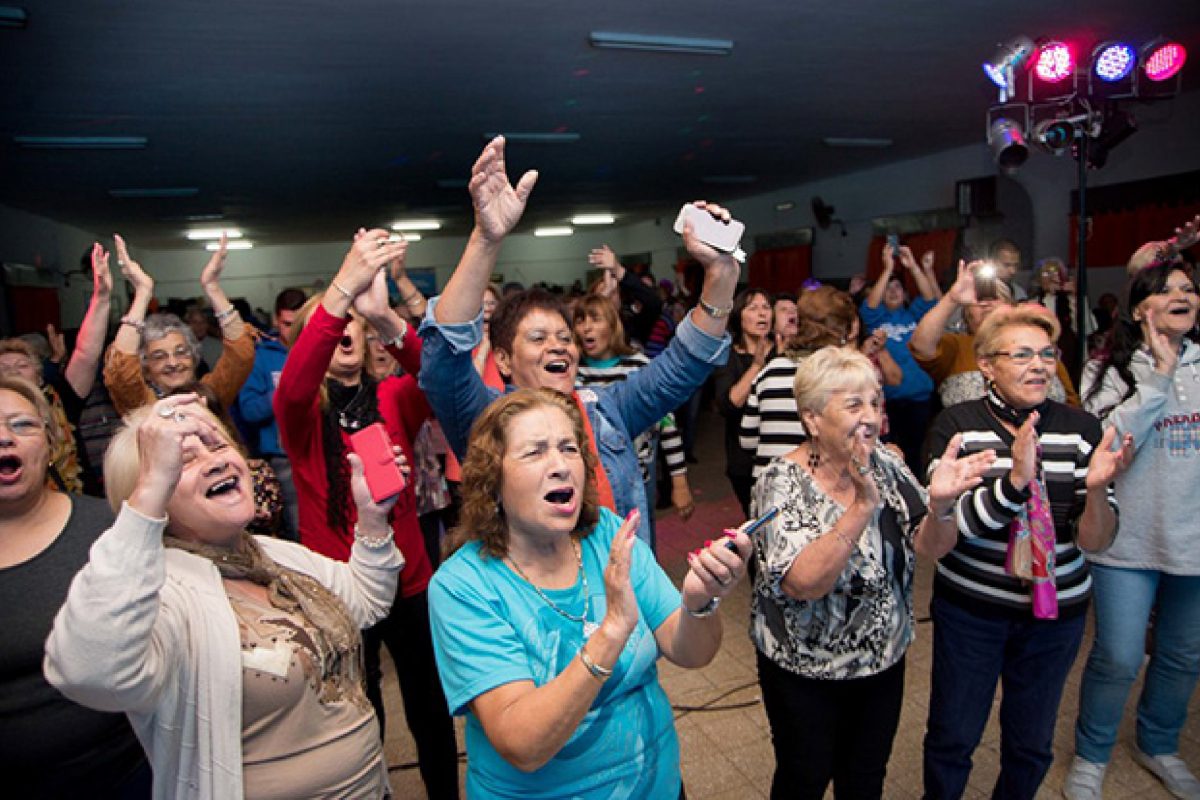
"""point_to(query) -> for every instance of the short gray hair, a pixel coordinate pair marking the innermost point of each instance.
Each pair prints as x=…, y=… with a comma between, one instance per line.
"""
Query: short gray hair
x=160, y=326
x=829, y=370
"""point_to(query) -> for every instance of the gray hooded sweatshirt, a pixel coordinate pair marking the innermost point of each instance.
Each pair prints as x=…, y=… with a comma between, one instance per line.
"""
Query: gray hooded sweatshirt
x=1159, y=495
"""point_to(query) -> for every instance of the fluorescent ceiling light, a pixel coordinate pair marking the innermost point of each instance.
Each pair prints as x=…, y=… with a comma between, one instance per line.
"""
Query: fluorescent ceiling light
x=156, y=194
x=554, y=230
x=417, y=225
x=82, y=142
x=13, y=17
x=660, y=44
x=535, y=138
x=593, y=219
x=408, y=237
x=729, y=180
x=856, y=141
x=201, y=234
x=241, y=245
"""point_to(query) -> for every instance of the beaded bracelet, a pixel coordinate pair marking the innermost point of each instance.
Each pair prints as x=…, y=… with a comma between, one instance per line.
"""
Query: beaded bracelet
x=223, y=316
x=341, y=289
x=373, y=542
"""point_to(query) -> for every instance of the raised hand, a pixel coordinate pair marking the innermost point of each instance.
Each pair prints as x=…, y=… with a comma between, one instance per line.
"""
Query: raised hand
x=372, y=516
x=210, y=276
x=621, y=614
x=1186, y=234
x=132, y=271
x=927, y=261
x=1166, y=356
x=866, y=491
x=708, y=257
x=374, y=302
x=603, y=257
x=888, y=258
x=955, y=475
x=962, y=291
x=874, y=343
x=907, y=258
x=102, y=279
x=1024, y=452
x=58, y=344
x=396, y=267
x=1106, y=464
x=160, y=440
x=369, y=253
x=498, y=205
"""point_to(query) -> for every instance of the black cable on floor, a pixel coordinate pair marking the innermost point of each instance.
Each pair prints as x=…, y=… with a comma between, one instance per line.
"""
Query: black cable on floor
x=708, y=704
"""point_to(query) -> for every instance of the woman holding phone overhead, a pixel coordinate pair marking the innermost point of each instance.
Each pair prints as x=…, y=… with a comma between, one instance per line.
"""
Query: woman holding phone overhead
x=551, y=615
x=831, y=614
x=325, y=396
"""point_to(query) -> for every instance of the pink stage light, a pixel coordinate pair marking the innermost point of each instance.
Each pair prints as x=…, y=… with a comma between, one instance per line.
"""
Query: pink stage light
x=1055, y=62
x=1165, y=61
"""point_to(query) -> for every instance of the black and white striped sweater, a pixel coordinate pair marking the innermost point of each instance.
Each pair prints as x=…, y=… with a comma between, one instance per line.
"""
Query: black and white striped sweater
x=972, y=574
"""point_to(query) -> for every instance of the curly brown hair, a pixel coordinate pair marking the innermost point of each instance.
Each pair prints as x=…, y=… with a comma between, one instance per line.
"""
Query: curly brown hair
x=482, y=517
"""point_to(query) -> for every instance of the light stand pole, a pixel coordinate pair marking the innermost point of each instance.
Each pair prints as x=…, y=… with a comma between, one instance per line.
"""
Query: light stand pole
x=1081, y=296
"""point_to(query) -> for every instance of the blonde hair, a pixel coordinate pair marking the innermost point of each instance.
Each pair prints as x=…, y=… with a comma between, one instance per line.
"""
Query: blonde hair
x=831, y=369
x=123, y=459
x=1028, y=315
x=33, y=395
x=482, y=517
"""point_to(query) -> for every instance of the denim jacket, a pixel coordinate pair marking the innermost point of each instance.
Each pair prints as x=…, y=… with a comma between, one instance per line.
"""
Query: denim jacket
x=617, y=412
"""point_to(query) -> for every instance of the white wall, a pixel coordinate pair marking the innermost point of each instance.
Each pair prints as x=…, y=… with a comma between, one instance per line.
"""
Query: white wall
x=54, y=246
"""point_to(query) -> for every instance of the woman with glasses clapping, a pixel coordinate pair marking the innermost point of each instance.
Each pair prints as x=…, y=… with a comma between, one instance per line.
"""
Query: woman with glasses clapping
x=1010, y=596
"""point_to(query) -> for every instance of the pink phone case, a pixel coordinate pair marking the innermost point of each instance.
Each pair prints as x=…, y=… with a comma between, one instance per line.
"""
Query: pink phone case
x=373, y=446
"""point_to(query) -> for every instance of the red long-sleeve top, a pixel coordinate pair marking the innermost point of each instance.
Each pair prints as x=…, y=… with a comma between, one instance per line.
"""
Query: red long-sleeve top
x=403, y=409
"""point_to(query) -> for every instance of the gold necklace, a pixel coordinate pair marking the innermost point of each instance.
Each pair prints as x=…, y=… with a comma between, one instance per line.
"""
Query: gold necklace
x=589, y=627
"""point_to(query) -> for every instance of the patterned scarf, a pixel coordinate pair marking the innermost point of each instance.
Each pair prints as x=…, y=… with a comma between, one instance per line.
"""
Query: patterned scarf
x=337, y=640
x=1031, y=541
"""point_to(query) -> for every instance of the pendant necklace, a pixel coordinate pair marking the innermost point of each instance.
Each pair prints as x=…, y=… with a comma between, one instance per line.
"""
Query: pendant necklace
x=589, y=627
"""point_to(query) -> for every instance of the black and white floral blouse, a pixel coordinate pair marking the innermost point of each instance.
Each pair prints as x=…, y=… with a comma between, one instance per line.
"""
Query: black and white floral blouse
x=864, y=625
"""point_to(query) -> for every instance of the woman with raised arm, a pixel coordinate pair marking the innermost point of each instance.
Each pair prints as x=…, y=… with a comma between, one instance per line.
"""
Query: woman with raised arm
x=67, y=391
x=550, y=617
x=236, y=658
x=1147, y=387
x=325, y=394
x=831, y=614
x=535, y=347
x=1011, y=592
x=152, y=356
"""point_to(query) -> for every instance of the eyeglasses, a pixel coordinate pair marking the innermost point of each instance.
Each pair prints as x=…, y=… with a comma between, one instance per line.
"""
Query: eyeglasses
x=1024, y=355
x=181, y=353
x=23, y=426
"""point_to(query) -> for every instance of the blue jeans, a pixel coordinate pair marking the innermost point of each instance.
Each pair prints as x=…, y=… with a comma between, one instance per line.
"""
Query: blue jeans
x=1124, y=598
x=971, y=653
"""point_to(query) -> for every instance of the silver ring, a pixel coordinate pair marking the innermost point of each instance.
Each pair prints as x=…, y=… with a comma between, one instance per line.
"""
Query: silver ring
x=863, y=470
x=179, y=417
x=120, y=263
x=166, y=412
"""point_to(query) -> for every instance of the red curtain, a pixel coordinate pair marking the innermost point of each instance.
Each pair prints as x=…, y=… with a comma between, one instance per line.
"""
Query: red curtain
x=1114, y=235
x=782, y=269
x=941, y=242
x=33, y=308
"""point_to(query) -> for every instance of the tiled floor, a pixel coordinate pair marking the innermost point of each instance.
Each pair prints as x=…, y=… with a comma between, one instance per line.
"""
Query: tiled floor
x=723, y=733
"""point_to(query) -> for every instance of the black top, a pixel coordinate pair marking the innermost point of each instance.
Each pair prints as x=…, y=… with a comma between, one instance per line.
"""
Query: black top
x=738, y=462
x=972, y=574
x=49, y=746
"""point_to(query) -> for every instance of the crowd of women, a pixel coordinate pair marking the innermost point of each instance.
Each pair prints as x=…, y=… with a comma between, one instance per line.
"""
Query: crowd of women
x=164, y=644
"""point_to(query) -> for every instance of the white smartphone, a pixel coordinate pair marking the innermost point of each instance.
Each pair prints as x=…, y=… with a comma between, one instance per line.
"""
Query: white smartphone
x=723, y=236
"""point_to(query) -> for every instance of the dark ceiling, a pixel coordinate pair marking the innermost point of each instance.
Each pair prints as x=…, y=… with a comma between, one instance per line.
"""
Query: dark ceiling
x=300, y=121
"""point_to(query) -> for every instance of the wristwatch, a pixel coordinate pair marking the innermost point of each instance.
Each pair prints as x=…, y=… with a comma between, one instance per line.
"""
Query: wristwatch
x=713, y=311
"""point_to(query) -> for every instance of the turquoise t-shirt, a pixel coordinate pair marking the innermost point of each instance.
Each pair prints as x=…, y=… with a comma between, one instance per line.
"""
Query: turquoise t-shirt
x=491, y=628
